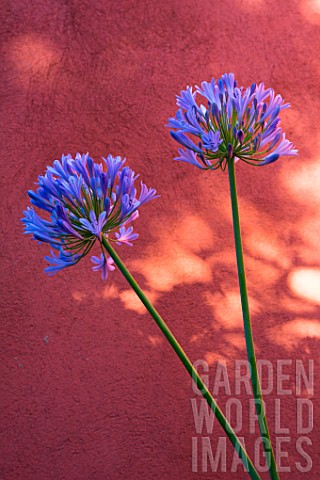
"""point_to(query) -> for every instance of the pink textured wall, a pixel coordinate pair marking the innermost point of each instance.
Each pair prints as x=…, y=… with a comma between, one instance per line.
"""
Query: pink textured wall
x=90, y=389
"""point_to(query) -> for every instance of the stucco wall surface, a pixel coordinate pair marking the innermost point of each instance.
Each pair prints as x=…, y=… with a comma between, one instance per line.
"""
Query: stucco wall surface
x=91, y=391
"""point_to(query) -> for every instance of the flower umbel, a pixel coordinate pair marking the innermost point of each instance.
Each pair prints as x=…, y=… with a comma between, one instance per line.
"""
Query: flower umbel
x=235, y=123
x=85, y=201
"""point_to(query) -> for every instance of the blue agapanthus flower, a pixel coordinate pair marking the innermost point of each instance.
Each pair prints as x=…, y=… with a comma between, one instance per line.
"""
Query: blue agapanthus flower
x=234, y=123
x=84, y=201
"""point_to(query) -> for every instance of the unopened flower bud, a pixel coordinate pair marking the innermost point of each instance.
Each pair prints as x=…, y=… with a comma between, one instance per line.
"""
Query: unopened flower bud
x=230, y=150
x=240, y=136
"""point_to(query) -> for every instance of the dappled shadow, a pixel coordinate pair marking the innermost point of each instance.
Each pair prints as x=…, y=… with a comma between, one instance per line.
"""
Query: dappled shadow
x=311, y=11
x=92, y=387
x=32, y=56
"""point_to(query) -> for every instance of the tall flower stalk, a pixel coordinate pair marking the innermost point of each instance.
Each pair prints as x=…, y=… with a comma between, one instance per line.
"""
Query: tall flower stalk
x=186, y=362
x=90, y=203
x=235, y=124
x=255, y=381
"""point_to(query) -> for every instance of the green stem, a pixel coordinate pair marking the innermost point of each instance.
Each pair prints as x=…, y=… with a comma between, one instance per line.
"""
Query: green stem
x=186, y=362
x=256, y=387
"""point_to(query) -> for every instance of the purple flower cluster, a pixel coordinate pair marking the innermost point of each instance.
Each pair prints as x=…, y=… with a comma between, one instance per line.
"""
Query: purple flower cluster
x=236, y=123
x=85, y=201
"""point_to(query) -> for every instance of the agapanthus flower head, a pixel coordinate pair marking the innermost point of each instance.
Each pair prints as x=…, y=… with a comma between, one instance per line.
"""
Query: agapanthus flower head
x=235, y=123
x=84, y=201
